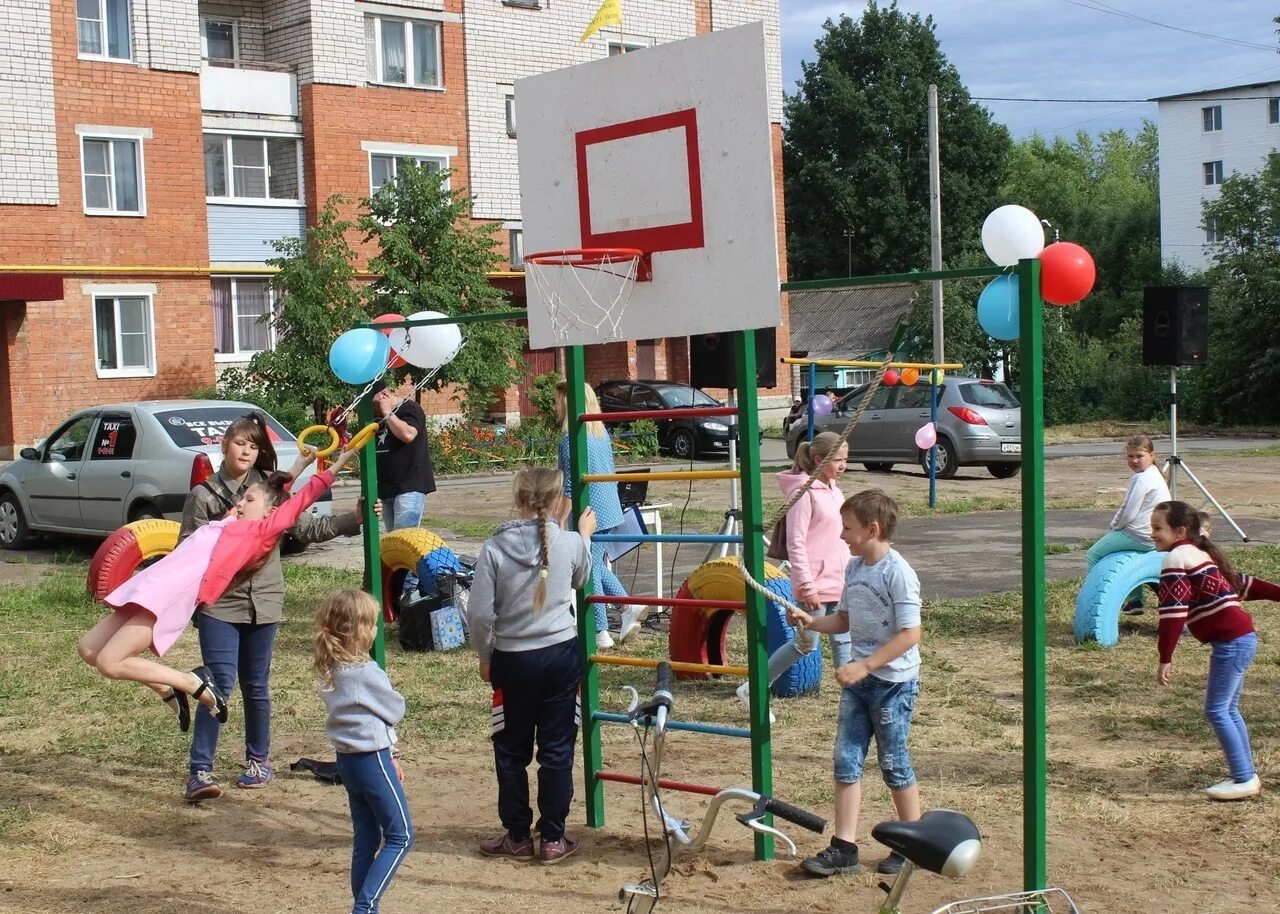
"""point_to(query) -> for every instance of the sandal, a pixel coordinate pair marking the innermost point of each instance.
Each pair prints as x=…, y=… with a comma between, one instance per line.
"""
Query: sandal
x=183, y=707
x=206, y=684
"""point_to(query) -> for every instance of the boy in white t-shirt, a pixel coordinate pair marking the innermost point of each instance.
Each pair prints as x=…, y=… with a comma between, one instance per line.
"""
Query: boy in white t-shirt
x=880, y=608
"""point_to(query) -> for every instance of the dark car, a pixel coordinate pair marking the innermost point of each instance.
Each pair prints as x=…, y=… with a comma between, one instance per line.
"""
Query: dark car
x=684, y=438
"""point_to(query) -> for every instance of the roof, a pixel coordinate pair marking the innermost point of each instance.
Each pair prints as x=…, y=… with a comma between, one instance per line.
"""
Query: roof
x=1203, y=92
x=842, y=323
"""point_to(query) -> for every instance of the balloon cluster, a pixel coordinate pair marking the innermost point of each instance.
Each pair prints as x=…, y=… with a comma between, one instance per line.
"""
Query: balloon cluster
x=1012, y=233
x=360, y=355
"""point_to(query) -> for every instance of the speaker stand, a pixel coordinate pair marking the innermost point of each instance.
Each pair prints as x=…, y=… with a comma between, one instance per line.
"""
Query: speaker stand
x=1173, y=463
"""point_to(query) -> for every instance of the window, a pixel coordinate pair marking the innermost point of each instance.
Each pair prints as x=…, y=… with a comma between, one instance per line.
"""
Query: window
x=1273, y=111
x=384, y=166
x=102, y=29
x=251, y=168
x=619, y=47
x=989, y=394
x=1212, y=232
x=123, y=335
x=511, y=115
x=404, y=52
x=516, y=239
x=1212, y=173
x=1212, y=118
x=66, y=445
x=241, y=316
x=112, y=169
x=116, y=437
x=915, y=397
x=218, y=42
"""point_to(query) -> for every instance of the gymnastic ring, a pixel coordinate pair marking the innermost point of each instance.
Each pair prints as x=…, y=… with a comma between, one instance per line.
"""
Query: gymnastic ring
x=311, y=429
x=362, y=437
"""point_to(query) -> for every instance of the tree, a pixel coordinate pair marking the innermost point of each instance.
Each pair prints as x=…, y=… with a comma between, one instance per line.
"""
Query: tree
x=431, y=258
x=856, y=150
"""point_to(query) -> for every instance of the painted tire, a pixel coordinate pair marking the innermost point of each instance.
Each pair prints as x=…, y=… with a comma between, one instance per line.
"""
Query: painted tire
x=1102, y=595
x=124, y=551
x=699, y=635
x=404, y=551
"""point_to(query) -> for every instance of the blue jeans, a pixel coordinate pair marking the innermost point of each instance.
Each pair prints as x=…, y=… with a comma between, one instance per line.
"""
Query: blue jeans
x=874, y=707
x=229, y=649
x=405, y=510
x=1117, y=541
x=605, y=582
x=383, y=831
x=782, y=659
x=1228, y=662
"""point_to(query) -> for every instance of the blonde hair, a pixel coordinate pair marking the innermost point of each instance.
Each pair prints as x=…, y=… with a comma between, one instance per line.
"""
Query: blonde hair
x=1140, y=443
x=811, y=453
x=536, y=491
x=346, y=624
x=590, y=404
x=873, y=506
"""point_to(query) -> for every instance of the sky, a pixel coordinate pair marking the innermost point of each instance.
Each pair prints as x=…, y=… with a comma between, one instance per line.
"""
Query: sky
x=1074, y=49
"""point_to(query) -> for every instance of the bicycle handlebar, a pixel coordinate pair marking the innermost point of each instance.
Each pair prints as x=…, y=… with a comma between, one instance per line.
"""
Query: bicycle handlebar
x=794, y=814
x=659, y=705
x=662, y=682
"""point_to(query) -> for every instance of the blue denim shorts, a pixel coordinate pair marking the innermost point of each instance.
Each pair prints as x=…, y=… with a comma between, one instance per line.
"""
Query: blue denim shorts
x=874, y=707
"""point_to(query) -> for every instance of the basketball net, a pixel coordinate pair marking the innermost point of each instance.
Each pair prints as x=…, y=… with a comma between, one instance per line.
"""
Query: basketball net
x=585, y=292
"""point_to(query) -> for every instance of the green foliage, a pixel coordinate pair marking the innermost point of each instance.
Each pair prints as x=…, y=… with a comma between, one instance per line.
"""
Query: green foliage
x=239, y=384
x=543, y=396
x=856, y=150
x=431, y=258
x=636, y=441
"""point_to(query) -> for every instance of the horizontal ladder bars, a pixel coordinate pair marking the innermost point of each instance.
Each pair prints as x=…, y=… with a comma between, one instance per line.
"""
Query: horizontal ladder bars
x=677, y=476
x=665, y=538
x=633, y=600
x=663, y=783
x=685, y=412
x=712, y=729
x=678, y=666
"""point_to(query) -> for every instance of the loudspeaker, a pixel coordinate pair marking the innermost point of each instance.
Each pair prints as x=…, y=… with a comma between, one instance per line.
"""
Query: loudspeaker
x=712, y=364
x=1175, y=325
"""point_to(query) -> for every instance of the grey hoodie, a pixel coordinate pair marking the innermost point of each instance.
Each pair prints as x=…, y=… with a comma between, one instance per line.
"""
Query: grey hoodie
x=500, y=609
x=363, y=707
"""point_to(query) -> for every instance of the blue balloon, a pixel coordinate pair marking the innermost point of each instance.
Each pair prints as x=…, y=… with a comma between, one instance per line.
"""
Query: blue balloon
x=359, y=356
x=998, y=308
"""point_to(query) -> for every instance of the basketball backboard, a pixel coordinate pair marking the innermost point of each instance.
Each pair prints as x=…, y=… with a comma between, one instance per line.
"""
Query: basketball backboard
x=666, y=150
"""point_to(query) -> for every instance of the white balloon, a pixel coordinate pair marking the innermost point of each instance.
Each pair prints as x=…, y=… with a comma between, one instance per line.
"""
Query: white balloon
x=427, y=347
x=1012, y=233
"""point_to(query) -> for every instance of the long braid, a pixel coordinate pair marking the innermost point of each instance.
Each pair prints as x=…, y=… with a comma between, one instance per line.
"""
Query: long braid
x=544, y=557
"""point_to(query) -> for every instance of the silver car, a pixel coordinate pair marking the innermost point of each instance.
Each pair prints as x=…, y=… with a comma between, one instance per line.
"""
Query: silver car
x=108, y=465
x=979, y=424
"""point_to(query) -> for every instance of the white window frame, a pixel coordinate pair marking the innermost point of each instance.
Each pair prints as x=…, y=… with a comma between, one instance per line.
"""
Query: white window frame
x=1213, y=173
x=239, y=354
x=235, y=41
x=112, y=135
x=380, y=21
x=515, y=248
x=614, y=47
x=145, y=291
x=1212, y=233
x=106, y=41
x=509, y=106
x=296, y=202
x=1273, y=111
x=1211, y=118
x=444, y=155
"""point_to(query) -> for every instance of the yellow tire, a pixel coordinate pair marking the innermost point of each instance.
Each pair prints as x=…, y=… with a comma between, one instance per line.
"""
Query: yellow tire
x=124, y=551
x=401, y=552
x=698, y=635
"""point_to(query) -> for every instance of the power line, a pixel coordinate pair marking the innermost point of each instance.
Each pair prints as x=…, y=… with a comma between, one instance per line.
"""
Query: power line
x=1099, y=7
x=1116, y=101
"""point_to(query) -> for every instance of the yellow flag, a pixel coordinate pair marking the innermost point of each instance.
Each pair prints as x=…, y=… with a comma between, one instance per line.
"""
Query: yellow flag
x=610, y=13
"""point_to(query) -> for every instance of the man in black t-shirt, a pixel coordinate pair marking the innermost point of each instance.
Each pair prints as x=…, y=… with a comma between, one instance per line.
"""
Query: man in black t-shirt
x=404, y=465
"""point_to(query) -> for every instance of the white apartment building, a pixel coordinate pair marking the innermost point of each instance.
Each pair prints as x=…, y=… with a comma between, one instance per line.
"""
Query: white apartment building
x=1204, y=138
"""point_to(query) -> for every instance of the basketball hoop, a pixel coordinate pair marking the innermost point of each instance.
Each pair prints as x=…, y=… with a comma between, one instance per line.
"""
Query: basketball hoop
x=587, y=288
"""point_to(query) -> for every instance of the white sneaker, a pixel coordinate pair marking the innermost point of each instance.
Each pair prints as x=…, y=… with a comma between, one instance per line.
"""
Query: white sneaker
x=603, y=641
x=1234, y=790
x=630, y=624
x=744, y=695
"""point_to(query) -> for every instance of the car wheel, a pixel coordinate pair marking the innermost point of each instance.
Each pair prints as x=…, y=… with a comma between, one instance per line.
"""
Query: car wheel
x=145, y=511
x=793, y=444
x=291, y=545
x=683, y=444
x=878, y=467
x=948, y=463
x=1004, y=470
x=14, y=533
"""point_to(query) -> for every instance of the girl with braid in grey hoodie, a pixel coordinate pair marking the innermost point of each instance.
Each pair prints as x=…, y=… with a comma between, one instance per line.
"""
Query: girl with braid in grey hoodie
x=522, y=624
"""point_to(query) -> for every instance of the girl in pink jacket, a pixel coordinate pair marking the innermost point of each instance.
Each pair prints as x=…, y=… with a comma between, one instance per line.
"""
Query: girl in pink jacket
x=815, y=550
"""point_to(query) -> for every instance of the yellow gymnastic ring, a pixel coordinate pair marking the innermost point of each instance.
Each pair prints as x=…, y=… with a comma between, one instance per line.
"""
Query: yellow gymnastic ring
x=362, y=437
x=333, y=439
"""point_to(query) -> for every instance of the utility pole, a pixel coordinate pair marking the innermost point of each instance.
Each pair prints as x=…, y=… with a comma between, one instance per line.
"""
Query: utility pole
x=848, y=267
x=935, y=223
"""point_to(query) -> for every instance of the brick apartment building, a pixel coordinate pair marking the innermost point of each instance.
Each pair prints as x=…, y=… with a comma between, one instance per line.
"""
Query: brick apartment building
x=122, y=278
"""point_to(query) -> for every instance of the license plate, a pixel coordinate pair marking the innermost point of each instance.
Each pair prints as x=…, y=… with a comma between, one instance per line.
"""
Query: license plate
x=1011, y=447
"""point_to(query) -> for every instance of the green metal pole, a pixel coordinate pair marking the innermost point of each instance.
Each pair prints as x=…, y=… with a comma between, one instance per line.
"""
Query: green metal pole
x=575, y=375
x=744, y=342
x=1034, y=690
x=370, y=530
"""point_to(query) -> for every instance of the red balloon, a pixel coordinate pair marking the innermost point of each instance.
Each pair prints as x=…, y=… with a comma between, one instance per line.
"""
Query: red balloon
x=890, y=376
x=1067, y=273
x=394, y=361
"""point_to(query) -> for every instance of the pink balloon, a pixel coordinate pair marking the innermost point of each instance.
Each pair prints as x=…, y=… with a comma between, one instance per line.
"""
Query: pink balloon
x=822, y=405
x=926, y=436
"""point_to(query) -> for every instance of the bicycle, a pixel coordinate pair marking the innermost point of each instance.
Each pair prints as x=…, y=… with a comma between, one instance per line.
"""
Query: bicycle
x=643, y=897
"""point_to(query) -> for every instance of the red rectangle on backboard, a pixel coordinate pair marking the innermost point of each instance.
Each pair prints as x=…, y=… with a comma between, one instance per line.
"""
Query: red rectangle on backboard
x=671, y=237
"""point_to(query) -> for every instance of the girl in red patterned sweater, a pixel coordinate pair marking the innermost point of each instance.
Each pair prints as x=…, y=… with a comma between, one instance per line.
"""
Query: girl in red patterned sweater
x=1198, y=592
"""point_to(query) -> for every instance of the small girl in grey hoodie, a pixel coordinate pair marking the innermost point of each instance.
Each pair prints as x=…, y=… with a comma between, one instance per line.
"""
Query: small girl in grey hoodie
x=363, y=709
x=522, y=623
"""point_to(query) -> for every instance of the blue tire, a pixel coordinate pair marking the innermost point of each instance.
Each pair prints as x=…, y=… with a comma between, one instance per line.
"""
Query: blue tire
x=806, y=673
x=1103, y=593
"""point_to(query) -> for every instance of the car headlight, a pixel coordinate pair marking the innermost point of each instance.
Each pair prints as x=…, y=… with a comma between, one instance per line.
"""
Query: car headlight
x=715, y=426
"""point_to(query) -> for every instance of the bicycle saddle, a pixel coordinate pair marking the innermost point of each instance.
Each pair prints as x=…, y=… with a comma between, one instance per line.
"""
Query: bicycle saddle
x=943, y=841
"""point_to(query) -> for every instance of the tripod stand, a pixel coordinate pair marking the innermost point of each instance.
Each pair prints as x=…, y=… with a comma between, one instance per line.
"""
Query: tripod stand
x=730, y=527
x=1173, y=463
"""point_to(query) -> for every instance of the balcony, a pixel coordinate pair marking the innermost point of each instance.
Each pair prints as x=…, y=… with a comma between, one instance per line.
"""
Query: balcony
x=248, y=88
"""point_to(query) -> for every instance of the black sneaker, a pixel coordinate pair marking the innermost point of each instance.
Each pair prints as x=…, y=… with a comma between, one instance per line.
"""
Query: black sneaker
x=832, y=861
x=891, y=865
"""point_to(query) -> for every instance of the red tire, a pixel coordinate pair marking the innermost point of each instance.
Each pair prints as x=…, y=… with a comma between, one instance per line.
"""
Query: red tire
x=697, y=635
x=123, y=552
